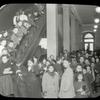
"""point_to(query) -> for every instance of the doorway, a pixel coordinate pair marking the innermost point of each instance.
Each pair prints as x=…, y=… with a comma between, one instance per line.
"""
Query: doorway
x=89, y=42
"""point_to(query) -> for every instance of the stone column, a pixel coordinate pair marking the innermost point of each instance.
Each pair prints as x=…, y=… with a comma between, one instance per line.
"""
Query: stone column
x=52, y=30
x=66, y=27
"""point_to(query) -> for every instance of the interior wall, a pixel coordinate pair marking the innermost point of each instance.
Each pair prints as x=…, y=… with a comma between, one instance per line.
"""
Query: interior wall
x=76, y=29
x=97, y=40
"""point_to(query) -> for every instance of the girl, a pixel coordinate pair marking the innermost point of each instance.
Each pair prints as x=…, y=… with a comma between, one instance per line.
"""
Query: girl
x=50, y=83
x=81, y=88
x=6, y=84
x=77, y=70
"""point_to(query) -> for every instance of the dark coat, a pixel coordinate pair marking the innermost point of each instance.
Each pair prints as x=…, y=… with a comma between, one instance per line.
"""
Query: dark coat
x=33, y=85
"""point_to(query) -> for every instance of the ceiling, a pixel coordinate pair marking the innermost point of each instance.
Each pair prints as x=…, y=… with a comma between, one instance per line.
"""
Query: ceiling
x=87, y=13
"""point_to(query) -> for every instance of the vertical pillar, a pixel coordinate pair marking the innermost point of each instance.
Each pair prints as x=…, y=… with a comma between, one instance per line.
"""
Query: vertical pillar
x=52, y=31
x=66, y=27
x=73, y=33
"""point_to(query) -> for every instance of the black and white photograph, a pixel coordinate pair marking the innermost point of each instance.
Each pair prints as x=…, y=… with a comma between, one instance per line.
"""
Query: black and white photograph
x=49, y=50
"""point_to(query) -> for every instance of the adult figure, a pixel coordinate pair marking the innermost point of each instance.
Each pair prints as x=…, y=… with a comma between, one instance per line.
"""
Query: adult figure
x=59, y=67
x=20, y=86
x=67, y=87
x=32, y=82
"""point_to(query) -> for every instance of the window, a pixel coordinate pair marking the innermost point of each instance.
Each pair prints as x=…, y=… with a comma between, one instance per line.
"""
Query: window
x=89, y=42
x=88, y=35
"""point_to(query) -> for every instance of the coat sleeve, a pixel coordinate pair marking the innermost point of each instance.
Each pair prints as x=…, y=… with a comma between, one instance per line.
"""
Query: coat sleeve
x=44, y=82
x=57, y=81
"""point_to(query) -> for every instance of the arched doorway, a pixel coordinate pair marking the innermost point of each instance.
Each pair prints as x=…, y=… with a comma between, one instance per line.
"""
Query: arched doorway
x=88, y=39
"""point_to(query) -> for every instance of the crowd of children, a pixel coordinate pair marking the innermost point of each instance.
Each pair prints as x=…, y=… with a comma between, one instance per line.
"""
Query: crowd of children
x=71, y=75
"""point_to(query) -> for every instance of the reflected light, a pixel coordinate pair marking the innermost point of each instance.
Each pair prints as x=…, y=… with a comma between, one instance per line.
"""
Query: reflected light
x=95, y=26
x=96, y=20
x=97, y=9
x=94, y=30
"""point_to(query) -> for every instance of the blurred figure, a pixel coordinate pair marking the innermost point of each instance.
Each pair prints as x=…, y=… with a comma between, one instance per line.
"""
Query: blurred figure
x=52, y=59
x=78, y=70
x=73, y=64
x=81, y=61
x=93, y=60
x=58, y=67
x=87, y=62
x=67, y=87
x=32, y=82
x=36, y=67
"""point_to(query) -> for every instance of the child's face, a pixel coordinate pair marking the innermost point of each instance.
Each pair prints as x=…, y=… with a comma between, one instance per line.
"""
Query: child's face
x=84, y=71
x=59, y=61
x=3, y=43
x=51, y=69
x=44, y=61
x=93, y=59
x=65, y=64
x=5, y=52
x=86, y=62
x=87, y=55
x=40, y=65
x=35, y=59
x=79, y=68
x=30, y=63
x=80, y=77
x=97, y=60
x=81, y=59
x=47, y=63
x=88, y=69
x=4, y=59
x=92, y=64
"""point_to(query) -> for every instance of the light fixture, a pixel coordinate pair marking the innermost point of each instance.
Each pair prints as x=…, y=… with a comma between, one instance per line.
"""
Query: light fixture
x=96, y=20
x=94, y=30
x=97, y=9
x=95, y=26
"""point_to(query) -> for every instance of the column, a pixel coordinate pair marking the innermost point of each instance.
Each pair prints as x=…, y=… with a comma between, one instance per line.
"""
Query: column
x=66, y=27
x=52, y=33
x=73, y=33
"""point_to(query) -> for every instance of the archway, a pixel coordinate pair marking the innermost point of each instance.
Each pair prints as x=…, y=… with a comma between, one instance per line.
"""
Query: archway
x=88, y=40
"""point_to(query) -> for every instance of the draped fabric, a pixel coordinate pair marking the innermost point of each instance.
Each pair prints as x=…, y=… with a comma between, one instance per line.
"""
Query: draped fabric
x=37, y=35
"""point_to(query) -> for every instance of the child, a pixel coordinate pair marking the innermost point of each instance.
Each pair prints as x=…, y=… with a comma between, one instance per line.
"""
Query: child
x=78, y=70
x=81, y=88
x=50, y=83
x=90, y=78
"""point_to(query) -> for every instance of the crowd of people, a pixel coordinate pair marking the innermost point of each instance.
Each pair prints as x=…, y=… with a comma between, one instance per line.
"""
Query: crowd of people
x=71, y=75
